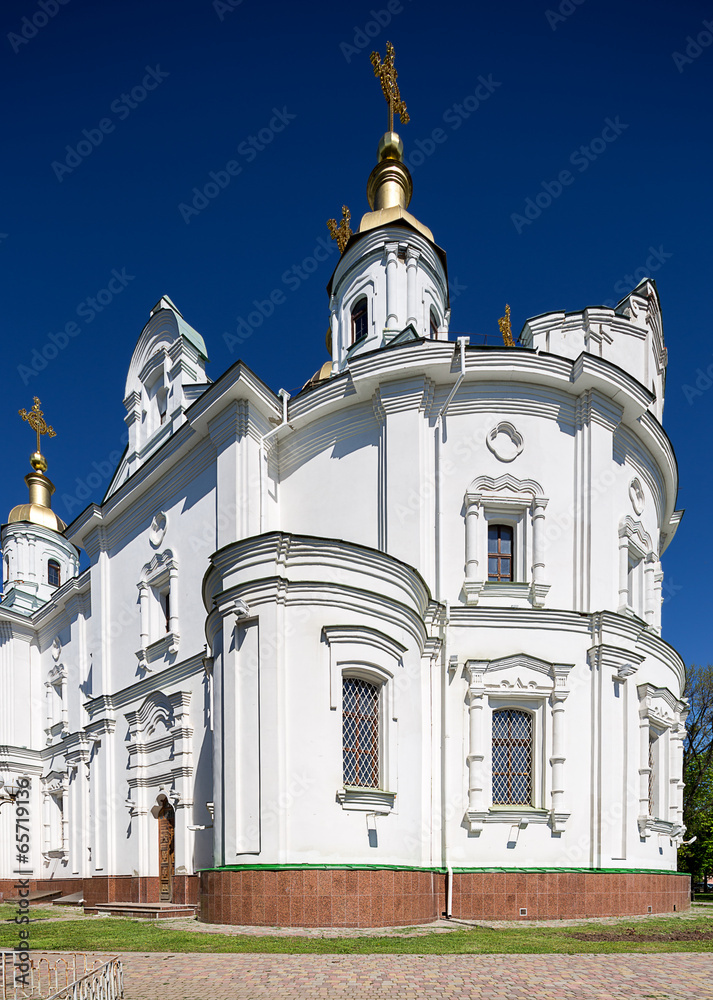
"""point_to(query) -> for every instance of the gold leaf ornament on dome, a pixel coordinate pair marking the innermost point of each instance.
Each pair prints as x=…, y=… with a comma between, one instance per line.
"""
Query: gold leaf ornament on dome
x=386, y=72
x=342, y=232
x=36, y=419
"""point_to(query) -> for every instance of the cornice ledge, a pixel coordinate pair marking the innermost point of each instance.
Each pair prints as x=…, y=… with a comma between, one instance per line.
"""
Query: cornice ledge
x=591, y=372
x=364, y=635
x=91, y=518
x=100, y=727
x=372, y=800
x=623, y=662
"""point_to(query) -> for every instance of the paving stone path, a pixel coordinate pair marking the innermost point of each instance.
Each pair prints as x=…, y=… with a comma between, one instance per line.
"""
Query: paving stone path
x=161, y=976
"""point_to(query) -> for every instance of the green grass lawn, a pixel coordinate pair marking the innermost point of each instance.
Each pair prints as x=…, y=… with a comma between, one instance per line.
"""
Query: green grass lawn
x=120, y=934
x=8, y=911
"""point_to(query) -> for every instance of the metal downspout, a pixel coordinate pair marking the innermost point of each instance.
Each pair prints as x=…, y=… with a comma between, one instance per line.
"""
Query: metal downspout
x=445, y=738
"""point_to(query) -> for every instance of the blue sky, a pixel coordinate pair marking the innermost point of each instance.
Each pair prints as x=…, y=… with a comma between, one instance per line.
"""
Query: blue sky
x=153, y=98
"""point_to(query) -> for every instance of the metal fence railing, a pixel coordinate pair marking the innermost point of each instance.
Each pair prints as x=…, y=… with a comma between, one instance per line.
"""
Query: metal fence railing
x=62, y=977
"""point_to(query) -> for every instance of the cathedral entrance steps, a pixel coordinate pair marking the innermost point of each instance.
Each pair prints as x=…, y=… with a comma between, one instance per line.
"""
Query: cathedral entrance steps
x=149, y=911
x=37, y=896
x=73, y=899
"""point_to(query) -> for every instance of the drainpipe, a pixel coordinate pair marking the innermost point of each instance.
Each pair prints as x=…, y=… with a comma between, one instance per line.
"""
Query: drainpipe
x=445, y=784
x=462, y=343
x=263, y=457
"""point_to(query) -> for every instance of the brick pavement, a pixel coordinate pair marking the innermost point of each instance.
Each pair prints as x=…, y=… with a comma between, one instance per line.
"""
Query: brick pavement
x=680, y=976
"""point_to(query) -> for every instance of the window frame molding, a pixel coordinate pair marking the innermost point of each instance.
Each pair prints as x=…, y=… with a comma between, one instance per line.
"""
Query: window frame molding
x=660, y=712
x=526, y=683
x=162, y=569
x=370, y=655
x=506, y=500
x=635, y=541
x=55, y=818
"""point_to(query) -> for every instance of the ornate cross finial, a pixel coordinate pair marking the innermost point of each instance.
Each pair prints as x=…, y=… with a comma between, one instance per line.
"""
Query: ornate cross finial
x=36, y=420
x=342, y=232
x=386, y=71
x=505, y=328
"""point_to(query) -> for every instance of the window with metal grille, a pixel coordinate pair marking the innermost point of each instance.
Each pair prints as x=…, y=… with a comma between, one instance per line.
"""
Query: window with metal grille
x=512, y=757
x=500, y=552
x=53, y=573
x=360, y=732
x=360, y=320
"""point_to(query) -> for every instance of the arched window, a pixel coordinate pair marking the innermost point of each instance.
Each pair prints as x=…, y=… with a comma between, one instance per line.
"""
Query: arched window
x=53, y=573
x=500, y=552
x=434, y=326
x=360, y=320
x=512, y=757
x=360, y=732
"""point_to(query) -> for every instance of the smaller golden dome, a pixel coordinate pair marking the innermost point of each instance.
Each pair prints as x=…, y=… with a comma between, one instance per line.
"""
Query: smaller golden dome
x=324, y=373
x=36, y=514
x=38, y=510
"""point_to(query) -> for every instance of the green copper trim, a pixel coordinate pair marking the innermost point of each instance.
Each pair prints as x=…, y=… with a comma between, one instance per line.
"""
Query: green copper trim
x=442, y=871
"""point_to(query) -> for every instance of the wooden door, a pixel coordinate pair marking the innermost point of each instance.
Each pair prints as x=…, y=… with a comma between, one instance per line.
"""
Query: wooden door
x=166, y=852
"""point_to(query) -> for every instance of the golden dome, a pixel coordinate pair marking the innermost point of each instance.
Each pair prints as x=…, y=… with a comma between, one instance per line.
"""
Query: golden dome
x=36, y=514
x=321, y=375
x=38, y=510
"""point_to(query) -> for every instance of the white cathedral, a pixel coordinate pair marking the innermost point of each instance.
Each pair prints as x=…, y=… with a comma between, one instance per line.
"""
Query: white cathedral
x=382, y=651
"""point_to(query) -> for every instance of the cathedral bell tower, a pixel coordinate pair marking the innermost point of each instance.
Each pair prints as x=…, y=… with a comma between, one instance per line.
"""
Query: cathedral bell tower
x=37, y=558
x=391, y=282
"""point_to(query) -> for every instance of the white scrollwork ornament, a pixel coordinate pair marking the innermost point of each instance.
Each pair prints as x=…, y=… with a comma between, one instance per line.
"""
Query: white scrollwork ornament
x=505, y=441
x=157, y=530
x=636, y=495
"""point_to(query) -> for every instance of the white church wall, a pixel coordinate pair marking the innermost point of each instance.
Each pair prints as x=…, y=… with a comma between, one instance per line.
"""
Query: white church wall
x=601, y=727
x=278, y=673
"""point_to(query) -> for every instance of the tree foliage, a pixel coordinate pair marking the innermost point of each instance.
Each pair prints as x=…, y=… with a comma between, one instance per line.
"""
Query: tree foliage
x=698, y=772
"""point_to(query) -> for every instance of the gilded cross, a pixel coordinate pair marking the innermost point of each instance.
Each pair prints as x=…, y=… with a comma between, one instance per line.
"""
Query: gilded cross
x=505, y=328
x=386, y=71
x=36, y=420
x=342, y=232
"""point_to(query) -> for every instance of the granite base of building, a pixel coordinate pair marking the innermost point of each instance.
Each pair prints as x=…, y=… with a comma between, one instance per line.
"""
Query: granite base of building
x=387, y=898
x=109, y=888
